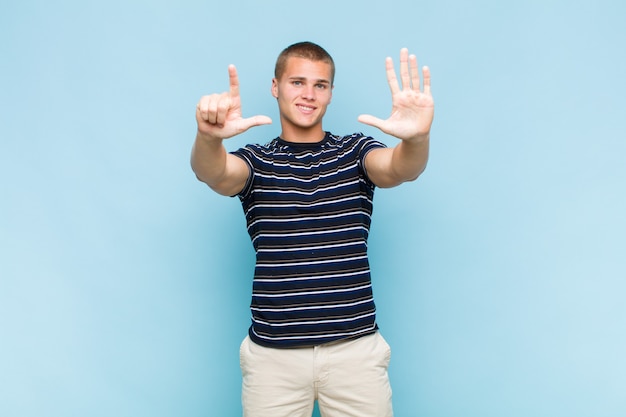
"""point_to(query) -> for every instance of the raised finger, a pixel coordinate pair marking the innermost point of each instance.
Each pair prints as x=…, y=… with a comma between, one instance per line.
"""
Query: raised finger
x=234, y=81
x=426, y=72
x=391, y=76
x=415, y=76
x=404, y=68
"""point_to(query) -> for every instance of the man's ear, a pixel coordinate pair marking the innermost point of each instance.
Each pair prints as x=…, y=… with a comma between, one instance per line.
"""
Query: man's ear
x=274, y=87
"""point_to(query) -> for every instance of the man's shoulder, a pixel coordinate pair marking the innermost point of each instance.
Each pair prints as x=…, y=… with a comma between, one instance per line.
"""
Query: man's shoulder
x=357, y=141
x=350, y=139
x=259, y=148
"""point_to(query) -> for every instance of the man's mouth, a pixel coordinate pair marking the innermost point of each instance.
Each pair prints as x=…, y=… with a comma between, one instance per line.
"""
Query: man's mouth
x=305, y=109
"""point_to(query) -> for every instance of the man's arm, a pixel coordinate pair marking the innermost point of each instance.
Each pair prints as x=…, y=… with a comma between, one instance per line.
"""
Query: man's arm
x=410, y=121
x=226, y=174
x=219, y=117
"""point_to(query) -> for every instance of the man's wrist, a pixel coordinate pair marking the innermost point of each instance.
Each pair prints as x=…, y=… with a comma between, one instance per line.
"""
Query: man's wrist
x=418, y=139
x=208, y=138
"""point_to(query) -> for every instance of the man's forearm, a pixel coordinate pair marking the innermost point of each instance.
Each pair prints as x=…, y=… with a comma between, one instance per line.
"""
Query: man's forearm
x=409, y=159
x=208, y=159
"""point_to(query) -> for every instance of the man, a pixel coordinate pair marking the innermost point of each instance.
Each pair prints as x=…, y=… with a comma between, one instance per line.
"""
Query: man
x=307, y=197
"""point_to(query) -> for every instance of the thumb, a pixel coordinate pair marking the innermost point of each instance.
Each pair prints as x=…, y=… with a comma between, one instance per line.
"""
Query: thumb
x=253, y=121
x=371, y=120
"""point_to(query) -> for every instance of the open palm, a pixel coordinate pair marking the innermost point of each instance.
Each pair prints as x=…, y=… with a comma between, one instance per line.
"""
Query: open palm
x=412, y=109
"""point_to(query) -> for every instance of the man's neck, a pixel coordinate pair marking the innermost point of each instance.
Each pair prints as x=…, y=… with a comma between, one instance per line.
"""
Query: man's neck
x=298, y=135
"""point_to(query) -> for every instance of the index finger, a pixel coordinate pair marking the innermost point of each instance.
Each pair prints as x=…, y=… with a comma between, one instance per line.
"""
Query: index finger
x=391, y=76
x=234, y=81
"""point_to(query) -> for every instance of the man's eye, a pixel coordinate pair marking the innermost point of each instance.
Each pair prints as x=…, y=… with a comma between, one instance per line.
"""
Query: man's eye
x=321, y=86
x=297, y=83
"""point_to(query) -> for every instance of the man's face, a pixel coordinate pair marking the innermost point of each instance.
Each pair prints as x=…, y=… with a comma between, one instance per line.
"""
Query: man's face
x=304, y=90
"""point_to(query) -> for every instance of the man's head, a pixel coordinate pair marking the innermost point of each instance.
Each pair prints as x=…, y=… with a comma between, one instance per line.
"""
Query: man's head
x=306, y=50
x=303, y=86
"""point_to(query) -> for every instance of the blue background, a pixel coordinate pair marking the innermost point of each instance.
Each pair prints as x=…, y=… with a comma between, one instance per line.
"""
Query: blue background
x=499, y=274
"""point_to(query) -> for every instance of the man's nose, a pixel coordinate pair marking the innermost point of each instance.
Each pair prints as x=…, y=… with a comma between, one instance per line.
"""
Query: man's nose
x=308, y=93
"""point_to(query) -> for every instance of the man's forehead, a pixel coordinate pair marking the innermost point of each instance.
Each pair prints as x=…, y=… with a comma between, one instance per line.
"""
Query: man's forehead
x=304, y=68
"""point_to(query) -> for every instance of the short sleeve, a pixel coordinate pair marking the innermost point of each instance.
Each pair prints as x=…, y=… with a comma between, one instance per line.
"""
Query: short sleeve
x=246, y=155
x=366, y=145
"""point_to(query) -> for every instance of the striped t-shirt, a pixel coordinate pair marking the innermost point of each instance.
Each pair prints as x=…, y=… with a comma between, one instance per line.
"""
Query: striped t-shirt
x=308, y=211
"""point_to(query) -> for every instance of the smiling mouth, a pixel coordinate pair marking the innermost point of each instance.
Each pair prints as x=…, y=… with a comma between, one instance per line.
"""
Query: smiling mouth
x=305, y=109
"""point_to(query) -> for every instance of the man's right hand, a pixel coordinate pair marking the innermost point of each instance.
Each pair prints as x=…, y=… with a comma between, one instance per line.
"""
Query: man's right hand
x=219, y=115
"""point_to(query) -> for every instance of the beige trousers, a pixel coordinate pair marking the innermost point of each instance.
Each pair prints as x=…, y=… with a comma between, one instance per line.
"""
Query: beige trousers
x=348, y=379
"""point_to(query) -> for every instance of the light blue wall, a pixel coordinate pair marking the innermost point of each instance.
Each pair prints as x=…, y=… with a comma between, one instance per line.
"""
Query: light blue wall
x=499, y=275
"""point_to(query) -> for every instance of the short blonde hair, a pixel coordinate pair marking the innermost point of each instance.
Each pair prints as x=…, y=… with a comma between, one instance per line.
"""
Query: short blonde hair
x=307, y=50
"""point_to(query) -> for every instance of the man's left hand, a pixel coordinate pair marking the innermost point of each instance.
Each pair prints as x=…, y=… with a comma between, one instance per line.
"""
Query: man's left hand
x=412, y=109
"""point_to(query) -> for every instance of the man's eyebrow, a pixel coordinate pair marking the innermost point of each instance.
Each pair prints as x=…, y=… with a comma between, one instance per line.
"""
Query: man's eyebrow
x=298, y=78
